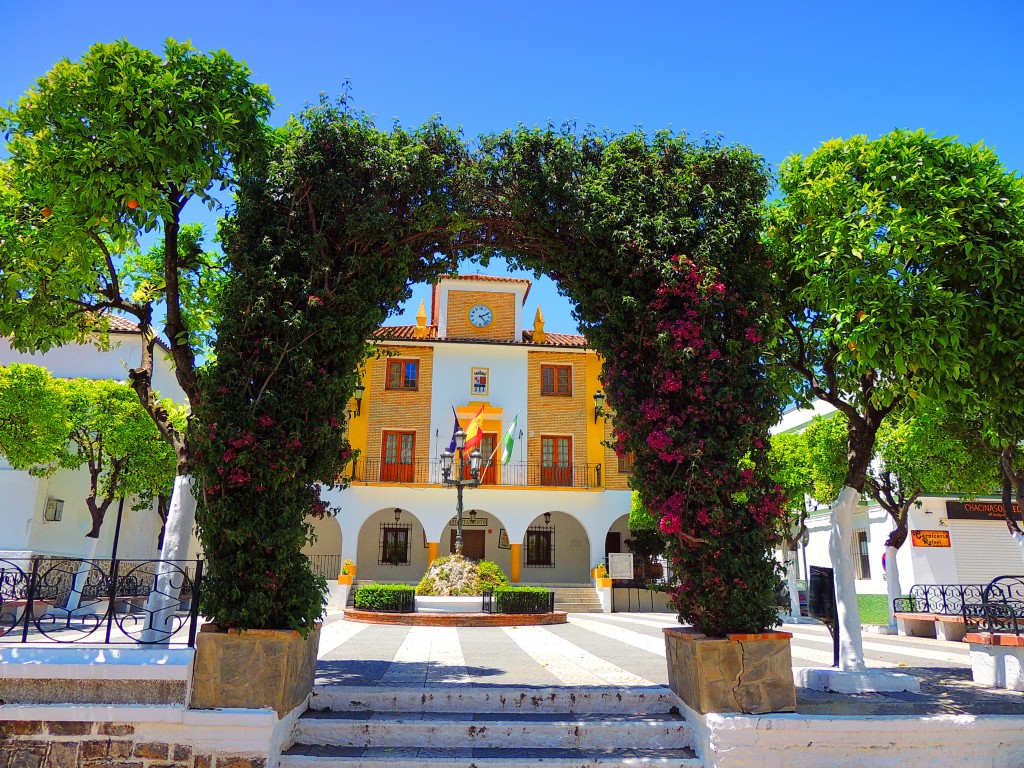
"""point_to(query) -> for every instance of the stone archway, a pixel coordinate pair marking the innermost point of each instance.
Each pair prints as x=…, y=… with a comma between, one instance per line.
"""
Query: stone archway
x=653, y=238
x=390, y=550
x=325, y=553
x=484, y=537
x=556, y=550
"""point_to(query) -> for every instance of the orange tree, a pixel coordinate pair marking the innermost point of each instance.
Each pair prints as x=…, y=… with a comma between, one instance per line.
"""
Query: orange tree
x=653, y=238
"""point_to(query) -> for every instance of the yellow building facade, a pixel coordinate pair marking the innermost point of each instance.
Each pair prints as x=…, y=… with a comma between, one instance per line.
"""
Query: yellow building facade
x=547, y=515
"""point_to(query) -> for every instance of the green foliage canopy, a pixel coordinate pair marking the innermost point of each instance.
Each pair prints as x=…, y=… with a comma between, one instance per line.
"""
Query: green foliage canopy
x=103, y=150
x=75, y=423
x=654, y=239
x=870, y=240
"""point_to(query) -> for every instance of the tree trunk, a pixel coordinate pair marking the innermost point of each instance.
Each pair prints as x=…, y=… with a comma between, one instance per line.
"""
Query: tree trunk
x=162, y=503
x=892, y=581
x=900, y=516
x=794, y=593
x=851, y=647
x=163, y=600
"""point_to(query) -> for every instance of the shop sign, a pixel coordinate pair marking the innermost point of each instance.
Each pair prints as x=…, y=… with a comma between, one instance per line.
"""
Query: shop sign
x=469, y=522
x=977, y=510
x=929, y=538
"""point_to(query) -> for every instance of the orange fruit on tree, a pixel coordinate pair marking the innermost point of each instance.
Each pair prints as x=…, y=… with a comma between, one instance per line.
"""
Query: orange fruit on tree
x=133, y=204
x=46, y=212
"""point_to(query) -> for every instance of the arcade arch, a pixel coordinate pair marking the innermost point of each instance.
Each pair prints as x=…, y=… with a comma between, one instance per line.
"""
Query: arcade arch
x=391, y=547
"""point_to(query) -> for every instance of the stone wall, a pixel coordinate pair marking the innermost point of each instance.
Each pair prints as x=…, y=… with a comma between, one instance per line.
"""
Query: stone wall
x=81, y=744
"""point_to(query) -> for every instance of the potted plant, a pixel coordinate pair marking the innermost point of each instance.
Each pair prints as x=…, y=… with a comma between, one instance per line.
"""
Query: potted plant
x=601, y=579
x=348, y=572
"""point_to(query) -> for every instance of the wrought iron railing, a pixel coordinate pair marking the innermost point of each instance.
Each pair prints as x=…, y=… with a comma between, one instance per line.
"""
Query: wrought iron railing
x=942, y=599
x=1001, y=608
x=372, y=469
x=118, y=602
x=328, y=566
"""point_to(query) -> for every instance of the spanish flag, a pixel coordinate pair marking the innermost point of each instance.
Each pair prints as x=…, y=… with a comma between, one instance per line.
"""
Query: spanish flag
x=475, y=430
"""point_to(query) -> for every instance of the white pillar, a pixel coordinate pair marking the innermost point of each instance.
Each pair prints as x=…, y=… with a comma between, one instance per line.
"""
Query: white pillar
x=163, y=600
x=851, y=646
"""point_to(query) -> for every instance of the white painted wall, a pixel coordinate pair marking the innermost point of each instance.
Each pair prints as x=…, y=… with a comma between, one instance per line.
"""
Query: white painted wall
x=878, y=525
x=24, y=527
x=24, y=497
x=797, y=419
x=87, y=362
x=451, y=386
x=917, y=565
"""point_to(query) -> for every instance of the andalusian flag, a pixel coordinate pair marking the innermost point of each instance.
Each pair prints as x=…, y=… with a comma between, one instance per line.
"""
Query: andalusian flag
x=475, y=430
x=509, y=440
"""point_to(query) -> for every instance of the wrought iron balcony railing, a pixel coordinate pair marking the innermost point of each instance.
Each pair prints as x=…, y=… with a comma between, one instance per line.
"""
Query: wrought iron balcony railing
x=372, y=469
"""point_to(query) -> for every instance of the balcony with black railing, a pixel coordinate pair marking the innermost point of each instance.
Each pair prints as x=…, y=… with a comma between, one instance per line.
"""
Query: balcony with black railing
x=372, y=470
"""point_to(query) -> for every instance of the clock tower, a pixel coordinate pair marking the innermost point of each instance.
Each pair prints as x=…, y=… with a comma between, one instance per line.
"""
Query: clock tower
x=484, y=307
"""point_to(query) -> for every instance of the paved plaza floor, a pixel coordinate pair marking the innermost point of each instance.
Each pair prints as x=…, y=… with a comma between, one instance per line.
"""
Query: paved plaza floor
x=627, y=650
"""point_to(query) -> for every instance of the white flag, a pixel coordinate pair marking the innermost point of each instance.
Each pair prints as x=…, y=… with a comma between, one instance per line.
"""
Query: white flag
x=509, y=440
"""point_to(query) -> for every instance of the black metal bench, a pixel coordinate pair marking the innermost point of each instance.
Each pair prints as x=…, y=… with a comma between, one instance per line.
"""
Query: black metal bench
x=936, y=610
x=1000, y=609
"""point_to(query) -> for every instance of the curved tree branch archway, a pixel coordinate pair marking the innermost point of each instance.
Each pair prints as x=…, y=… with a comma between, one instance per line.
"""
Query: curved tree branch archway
x=653, y=239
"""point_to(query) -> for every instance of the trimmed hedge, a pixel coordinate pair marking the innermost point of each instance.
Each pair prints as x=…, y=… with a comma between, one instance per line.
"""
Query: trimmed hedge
x=522, y=600
x=387, y=598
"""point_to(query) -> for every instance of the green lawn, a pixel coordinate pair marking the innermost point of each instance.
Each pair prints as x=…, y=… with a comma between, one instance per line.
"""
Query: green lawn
x=874, y=609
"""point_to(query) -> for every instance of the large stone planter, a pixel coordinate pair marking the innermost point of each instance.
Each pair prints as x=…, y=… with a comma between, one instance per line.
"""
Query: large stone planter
x=253, y=669
x=752, y=674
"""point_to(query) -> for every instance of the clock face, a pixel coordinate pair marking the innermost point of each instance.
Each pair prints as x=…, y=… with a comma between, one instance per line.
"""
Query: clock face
x=481, y=315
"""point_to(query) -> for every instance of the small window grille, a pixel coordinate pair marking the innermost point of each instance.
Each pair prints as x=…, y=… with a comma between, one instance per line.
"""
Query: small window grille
x=540, y=546
x=393, y=548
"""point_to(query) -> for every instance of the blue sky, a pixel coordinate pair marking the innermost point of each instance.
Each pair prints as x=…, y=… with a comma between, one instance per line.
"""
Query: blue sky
x=780, y=77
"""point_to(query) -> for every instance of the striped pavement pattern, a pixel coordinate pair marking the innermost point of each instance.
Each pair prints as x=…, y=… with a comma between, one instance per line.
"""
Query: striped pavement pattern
x=619, y=649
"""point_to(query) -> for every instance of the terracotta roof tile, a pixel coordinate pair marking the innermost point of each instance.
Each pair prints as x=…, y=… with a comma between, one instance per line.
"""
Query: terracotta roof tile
x=407, y=333
x=404, y=332
x=120, y=324
x=557, y=339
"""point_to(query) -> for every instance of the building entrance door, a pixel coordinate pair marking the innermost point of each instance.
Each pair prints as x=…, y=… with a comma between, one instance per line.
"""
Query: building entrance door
x=612, y=543
x=473, y=544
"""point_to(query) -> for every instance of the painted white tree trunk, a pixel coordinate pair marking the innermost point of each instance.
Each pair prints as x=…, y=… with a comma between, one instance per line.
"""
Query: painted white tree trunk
x=163, y=600
x=794, y=594
x=1019, y=541
x=75, y=598
x=892, y=581
x=851, y=646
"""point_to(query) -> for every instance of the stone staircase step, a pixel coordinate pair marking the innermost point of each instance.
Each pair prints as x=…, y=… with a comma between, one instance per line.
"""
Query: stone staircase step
x=308, y=756
x=609, y=700
x=480, y=726
x=527, y=731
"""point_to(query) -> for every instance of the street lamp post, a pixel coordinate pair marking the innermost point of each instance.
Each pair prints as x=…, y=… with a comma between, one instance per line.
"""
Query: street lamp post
x=448, y=463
